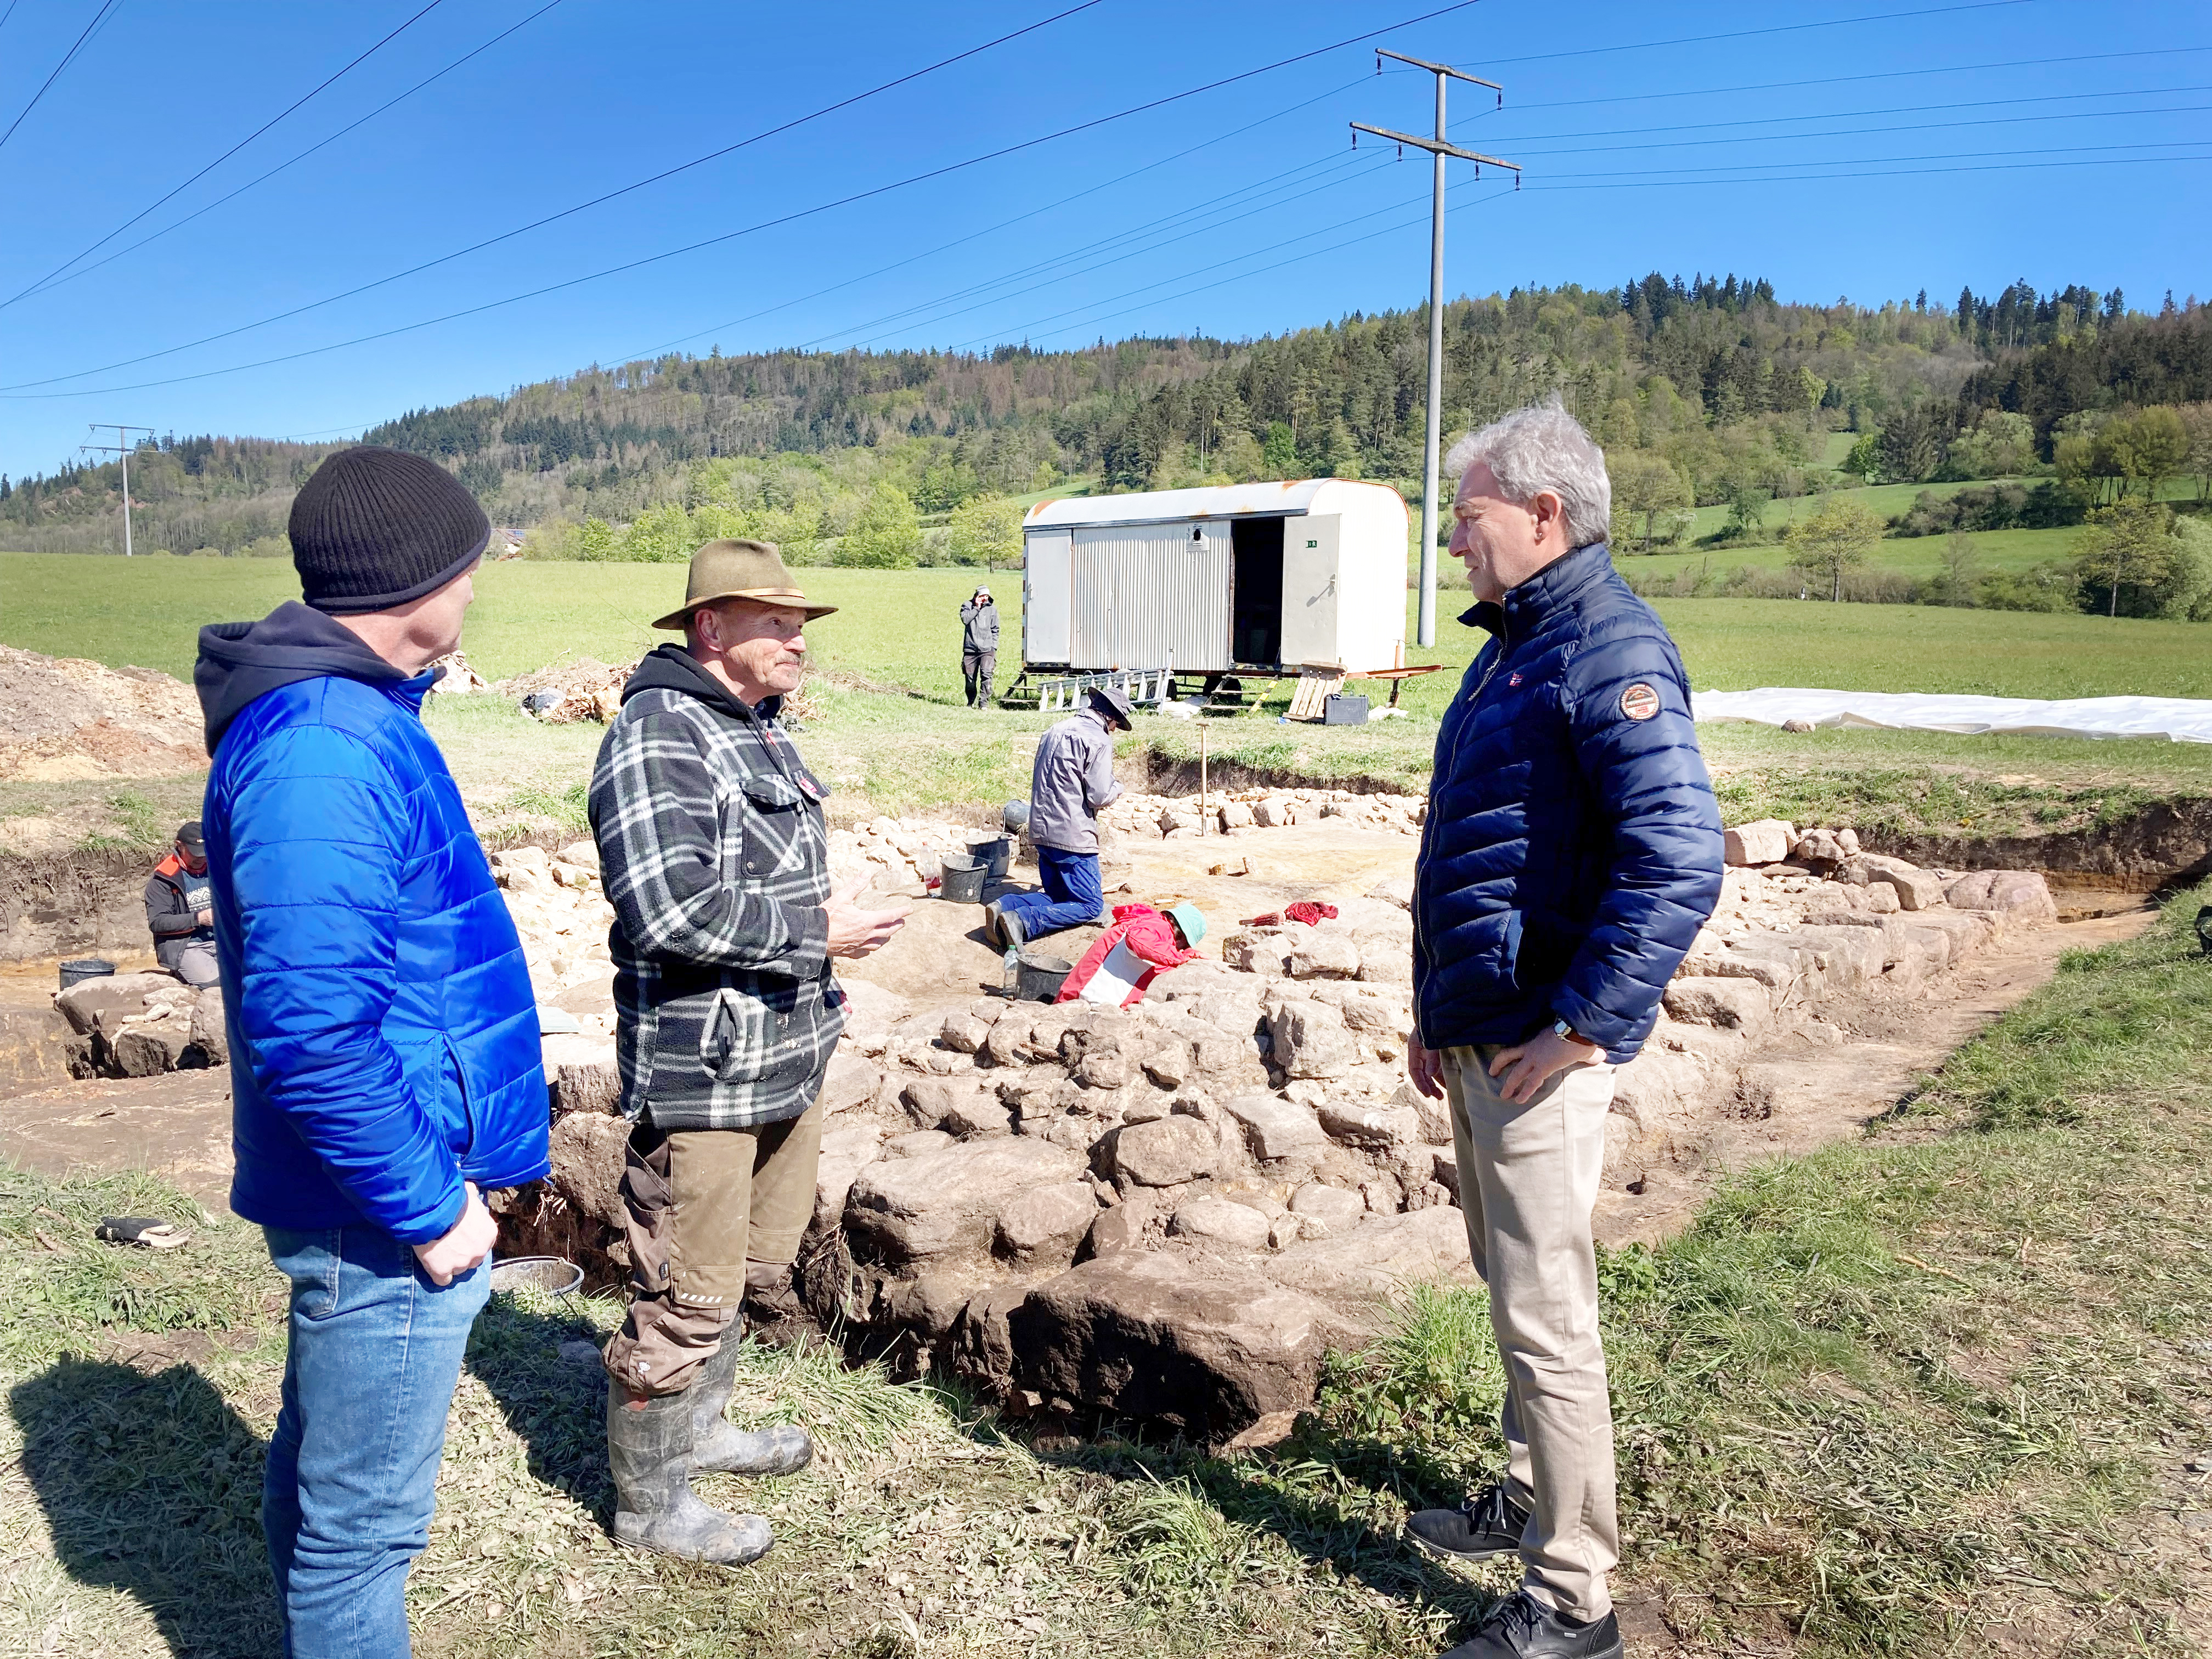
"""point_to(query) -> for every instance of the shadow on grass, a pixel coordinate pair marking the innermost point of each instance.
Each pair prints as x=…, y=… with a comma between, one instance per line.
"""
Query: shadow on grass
x=152, y=1485
x=556, y=1404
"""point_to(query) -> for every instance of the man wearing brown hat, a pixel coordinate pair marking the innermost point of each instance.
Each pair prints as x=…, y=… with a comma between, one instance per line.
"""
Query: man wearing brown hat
x=716, y=856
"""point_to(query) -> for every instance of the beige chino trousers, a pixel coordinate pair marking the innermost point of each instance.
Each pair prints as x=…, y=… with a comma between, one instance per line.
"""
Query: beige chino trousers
x=1528, y=1181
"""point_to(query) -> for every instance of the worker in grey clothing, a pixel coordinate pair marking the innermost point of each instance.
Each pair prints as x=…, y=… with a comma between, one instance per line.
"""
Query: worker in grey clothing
x=1072, y=779
x=979, y=646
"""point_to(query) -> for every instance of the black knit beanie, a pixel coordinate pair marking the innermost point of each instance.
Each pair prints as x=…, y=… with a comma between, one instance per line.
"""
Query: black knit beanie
x=374, y=528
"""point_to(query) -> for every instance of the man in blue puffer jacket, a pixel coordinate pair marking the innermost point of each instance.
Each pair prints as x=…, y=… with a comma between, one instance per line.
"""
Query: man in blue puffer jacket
x=383, y=1036
x=1571, y=851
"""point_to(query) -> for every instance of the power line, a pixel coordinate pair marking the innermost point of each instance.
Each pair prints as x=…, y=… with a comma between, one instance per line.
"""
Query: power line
x=991, y=230
x=1883, y=160
x=288, y=109
x=1746, y=34
x=44, y=283
x=21, y=387
x=1886, y=75
x=99, y=17
x=1857, y=114
x=1864, y=133
x=1893, y=173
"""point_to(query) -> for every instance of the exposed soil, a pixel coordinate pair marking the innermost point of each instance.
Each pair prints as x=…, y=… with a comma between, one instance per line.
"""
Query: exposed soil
x=176, y=1125
x=63, y=718
x=1855, y=1062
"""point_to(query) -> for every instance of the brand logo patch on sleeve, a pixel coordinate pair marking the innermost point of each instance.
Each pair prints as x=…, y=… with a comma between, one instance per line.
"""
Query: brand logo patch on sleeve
x=1639, y=701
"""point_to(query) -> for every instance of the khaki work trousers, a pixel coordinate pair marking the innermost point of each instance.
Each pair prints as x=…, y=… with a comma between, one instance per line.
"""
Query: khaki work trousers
x=699, y=1205
x=1528, y=1180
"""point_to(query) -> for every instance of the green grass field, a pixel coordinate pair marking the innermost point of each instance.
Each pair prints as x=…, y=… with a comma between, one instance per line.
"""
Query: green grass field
x=889, y=733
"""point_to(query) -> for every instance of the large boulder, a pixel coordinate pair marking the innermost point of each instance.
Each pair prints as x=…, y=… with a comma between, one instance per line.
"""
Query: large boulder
x=210, y=1034
x=947, y=1202
x=1916, y=889
x=1764, y=841
x=1379, y=1257
x=1325, y=953
x=1735, y=1004
x=588, y=1150
x=1311, y=1039
x=112, y=997
x=2014, y=894
x=1276, y=1129
x=148, y=1048
x=582, y=1074
x=1206, y=1344
x=1047, y=1220
x=1164, y=1153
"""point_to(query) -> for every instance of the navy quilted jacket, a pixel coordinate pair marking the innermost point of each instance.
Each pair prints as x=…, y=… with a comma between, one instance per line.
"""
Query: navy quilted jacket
x=383, y=1036
x=1573, y=845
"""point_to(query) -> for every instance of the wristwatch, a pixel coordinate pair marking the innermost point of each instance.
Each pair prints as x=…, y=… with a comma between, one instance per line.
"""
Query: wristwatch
x=1560, y=1027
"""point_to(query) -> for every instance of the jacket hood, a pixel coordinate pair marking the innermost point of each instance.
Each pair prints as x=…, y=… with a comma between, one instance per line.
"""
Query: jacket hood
x=672, y=668
x=240, y=661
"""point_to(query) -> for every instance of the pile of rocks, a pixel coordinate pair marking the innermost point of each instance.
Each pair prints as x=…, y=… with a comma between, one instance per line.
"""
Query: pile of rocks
x=563, y=920
x=896, y=856
x=563, y=693
x=141, y=1025
x=1224, y=813
x=1169, y=1211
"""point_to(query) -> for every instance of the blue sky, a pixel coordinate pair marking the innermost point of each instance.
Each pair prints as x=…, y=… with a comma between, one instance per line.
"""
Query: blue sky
x=1910, y=146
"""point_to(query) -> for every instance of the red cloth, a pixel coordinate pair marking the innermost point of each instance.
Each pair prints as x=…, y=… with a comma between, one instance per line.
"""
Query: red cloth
x=1151, y=938
x=1305, y=910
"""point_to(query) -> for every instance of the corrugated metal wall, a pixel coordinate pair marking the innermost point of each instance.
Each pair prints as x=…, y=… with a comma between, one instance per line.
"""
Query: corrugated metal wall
x=1151, y=596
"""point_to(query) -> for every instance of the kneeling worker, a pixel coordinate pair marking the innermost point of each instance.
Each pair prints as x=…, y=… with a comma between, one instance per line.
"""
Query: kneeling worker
x=1072, y=781
x=181, y=909
x=715, y=857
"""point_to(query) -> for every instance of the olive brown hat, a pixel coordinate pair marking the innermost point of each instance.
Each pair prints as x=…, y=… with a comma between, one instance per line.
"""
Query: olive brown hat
x=740, y=570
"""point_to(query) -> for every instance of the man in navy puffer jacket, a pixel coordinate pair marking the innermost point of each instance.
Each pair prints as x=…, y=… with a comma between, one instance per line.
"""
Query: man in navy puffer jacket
x=1571, y=851
x=383, y=1036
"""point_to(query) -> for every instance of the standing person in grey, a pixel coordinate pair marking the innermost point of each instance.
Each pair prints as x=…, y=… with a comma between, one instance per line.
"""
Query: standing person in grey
x=180, y=910
x=979, y=646
x=1571, y=851
x=1070, y=783
x=715, y=857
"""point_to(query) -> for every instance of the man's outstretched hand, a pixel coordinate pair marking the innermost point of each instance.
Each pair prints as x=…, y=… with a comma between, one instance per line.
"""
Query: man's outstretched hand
x=855, y=932
x=466, y=1242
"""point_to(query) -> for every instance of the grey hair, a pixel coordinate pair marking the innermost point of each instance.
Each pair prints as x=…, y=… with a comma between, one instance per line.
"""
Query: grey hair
x=1543, y=447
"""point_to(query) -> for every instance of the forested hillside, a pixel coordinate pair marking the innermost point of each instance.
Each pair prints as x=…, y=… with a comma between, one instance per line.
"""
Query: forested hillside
x=1703, y=391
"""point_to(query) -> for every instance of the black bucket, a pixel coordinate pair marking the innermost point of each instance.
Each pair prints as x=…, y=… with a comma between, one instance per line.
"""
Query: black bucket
x=995, y=855
x=962, y=880
x=1039, y=976
x=85, y=968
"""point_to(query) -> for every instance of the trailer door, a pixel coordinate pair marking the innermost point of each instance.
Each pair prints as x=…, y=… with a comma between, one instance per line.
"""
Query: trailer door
x=1046, y=558
x=1310, y=590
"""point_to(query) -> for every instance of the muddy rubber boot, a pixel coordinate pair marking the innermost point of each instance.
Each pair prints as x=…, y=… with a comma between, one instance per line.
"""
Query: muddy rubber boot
x=649, y=1453
x=719, y=1446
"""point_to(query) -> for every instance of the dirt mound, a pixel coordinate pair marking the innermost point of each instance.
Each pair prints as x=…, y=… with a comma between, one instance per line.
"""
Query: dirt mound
x=63, y=718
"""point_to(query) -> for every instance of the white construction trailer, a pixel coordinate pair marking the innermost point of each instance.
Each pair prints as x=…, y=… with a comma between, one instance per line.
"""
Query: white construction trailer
x=1240, y=580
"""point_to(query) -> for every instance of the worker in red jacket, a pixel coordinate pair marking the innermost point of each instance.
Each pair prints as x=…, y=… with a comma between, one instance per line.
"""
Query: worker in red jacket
x=1123, y=962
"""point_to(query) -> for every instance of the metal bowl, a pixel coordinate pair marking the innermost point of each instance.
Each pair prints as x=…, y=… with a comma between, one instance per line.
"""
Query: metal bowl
x=548, y=1274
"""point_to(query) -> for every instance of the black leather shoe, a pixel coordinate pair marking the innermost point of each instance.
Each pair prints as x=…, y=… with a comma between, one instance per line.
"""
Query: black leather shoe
x=1522, y=1628
x=1489, y=1524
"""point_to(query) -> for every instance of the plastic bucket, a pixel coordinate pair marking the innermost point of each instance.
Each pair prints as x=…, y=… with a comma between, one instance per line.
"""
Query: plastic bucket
x=961, y=880
x=1039, y=977
x=996, y=853
x=85, y=968
x=548, y=1274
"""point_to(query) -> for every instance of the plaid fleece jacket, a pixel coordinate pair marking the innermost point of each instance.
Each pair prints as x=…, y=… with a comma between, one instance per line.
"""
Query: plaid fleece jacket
x=714, y=855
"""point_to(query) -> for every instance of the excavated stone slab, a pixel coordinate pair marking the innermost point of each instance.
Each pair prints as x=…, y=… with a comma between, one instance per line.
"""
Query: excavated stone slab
x=1276, y=1128
x=1332, y=1209
x=1360, y=1124
x=1378, y=1256
x=587, y=1152
x=2016, y=894
x=115, y=995
x=1221, y=1220
x=1733, y=1004
x=938, y=1204
x=1046, y=1217
x=1764, y=841
x=1311, y=1039
x=1164, y=1153
x=1206, y=1344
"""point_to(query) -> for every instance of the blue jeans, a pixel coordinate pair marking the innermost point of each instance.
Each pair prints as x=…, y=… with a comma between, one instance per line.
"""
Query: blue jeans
x=374, y=1352
x=1073, y=894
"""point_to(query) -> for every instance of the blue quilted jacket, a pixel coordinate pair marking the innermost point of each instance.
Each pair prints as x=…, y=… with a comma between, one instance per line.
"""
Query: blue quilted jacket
x=1573, y=845
x=383, y=1036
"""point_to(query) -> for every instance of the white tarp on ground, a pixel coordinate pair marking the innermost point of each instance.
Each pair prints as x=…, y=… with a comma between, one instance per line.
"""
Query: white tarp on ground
x=2184, y=719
